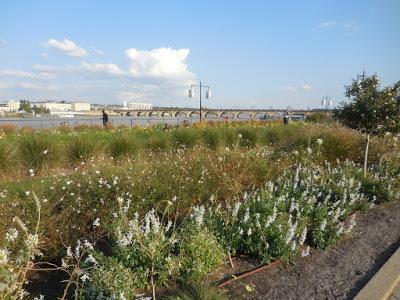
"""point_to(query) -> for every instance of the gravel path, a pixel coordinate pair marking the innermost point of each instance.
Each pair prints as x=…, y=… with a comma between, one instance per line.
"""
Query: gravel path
x=337, y=273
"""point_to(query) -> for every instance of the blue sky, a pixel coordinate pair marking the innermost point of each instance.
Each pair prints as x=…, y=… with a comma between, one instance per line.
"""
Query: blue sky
x=252, y=53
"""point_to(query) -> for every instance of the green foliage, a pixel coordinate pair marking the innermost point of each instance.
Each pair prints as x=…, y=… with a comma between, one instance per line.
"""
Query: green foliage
x=319, y=118
x=111, y=279
x=198, y=292
x=371, y=110
x=185, y=137
x=211, y=138
x=199, y=253
x=37, y=149
x=122, y=145
x=24, y=105
x=247, y=137
x=156, y=142
x=7, y=155
x=81, y=147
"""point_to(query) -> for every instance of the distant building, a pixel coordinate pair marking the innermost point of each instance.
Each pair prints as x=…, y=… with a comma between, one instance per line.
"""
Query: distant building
x=10, y=106
x=137, y=106
x=80, y=106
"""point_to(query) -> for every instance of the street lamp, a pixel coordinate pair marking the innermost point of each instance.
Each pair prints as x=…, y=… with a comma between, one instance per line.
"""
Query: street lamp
x=200, y=86
x=327, y=102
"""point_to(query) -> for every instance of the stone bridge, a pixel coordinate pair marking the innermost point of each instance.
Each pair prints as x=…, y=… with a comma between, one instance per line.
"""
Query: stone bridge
x=219, y=113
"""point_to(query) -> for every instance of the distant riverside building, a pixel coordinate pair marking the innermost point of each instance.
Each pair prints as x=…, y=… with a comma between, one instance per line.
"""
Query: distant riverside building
x=138, y=106
x=63, y=106
x=80, y=106
x=9, y=106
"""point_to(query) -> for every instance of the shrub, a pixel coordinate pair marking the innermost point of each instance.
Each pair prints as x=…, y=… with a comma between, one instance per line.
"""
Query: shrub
x=199, y=253
x=111, y=279
x=7, y=155
x=80, y=147
x=37, y=149
x=198, y=292
x=185, y=137
x=121, y=144
x=247, y=137
x=319, y=118
x=156, y=142
x=211, y=138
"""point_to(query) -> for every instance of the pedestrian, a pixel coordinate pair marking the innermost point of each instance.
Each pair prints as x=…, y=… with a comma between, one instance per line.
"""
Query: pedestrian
x=105, y=118
x=286, y=119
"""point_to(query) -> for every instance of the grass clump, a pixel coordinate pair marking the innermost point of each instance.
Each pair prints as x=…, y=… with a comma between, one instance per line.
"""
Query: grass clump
x=211, y=138
x=122, y=145
x=81, y=147
x=185, y=137
x=37, y=149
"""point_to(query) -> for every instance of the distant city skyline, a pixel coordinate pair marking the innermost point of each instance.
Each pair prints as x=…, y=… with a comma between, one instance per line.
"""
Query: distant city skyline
x=255, y=54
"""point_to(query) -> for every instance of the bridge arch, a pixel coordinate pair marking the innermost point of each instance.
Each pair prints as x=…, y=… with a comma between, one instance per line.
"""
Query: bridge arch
x=153, y=113
x=243, y=115
x=180, y=114
x=227, y=114
x=193, y=114
x=260, y=115
x=211, y=115
x=165, y=114
x=140, y=114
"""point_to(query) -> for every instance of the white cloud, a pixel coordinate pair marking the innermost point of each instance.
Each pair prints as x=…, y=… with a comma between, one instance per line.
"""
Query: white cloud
x=67, y=47
x=350, y=25
x=288, y=88
x=18, y=73
x=44, y=54
x=327, y=24
x=29, y=86
x=159, y=63
x=306, y=87
x=107, y=68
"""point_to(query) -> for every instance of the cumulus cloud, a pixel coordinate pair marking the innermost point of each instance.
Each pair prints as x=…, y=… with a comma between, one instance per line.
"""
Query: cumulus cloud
x=306, y=87
x=159, y=63
x=67, y=47
x=107, y=68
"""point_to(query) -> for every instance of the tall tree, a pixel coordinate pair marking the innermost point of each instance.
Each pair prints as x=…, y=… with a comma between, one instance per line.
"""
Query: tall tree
x=371, y=110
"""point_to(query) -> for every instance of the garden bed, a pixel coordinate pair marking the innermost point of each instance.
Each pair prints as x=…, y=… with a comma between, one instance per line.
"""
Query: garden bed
x=337, y=273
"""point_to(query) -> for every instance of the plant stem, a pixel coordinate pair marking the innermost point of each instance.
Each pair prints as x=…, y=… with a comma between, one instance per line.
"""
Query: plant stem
x=366, y=154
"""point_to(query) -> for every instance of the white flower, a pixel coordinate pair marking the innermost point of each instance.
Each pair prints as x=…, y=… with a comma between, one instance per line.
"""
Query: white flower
x=84, y=277
x=240, y=136
x=45, y=151
x=303, y=236
x=12, y=235
x=249, y=232
x=96, y=222
x=41, y=297
x=305, y=252
x=319, y=141
x=3, y=256
x=27, y=193
x=323, y=225
x=309, y=151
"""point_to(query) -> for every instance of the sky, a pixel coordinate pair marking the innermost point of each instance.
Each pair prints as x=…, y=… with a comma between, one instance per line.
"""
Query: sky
x=253, y=54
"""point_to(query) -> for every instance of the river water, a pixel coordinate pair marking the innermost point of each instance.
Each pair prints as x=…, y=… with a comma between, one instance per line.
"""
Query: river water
x=48, y=122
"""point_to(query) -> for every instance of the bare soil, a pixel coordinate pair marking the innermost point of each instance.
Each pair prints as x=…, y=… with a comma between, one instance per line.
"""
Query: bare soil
x=337, y=273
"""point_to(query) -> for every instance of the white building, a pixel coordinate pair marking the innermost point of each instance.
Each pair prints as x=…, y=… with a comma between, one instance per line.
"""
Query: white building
x=10, y=105
x=147, y=106
x=80, y=106
x=54, y=106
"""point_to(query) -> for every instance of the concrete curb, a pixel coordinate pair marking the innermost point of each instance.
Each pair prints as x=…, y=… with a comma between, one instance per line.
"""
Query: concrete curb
x=384, y=282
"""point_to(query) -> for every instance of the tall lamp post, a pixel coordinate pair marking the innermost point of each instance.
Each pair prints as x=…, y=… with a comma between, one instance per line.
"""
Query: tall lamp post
x=200, y=86
x=327, y=102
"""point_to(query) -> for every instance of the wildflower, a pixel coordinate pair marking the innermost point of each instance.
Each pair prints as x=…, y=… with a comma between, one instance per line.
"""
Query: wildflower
x=12, y=235
x=305, y=252
x=3, y=256
x=249, y=232
x=27, y=193
x=309, y=151
x=323, y=225
x=31, y=172
x=96, y=222
x=240, y=136
x=319, y=142
x=295, y=153
x=45, y=151
x=90, y=259
x=41, y=297
x=32, y=241
x=84, y=277
x=303, y=236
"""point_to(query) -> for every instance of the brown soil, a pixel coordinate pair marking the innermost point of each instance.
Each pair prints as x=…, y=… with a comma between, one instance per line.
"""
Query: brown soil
x=337, y=273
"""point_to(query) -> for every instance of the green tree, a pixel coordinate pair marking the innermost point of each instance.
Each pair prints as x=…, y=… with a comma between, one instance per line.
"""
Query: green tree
x=25, y=106
x=371, y=110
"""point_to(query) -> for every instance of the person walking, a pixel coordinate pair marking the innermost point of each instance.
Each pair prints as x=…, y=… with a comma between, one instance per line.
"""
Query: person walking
x=105, y=118
x=286, y=119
